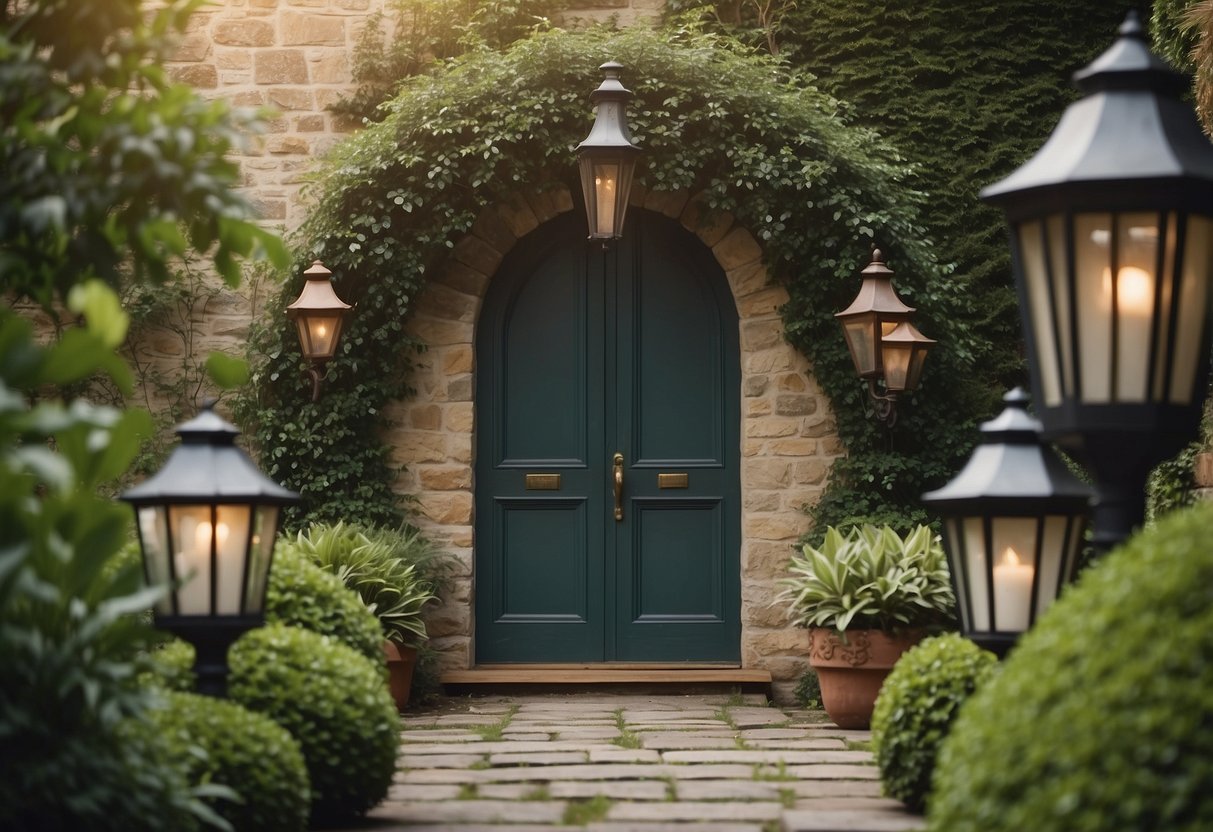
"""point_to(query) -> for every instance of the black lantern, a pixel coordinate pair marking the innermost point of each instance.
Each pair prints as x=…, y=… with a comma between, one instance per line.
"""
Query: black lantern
x=607, y=158
x=207, y=522
x=318, y=315
x=884, y=345
x=1112, y=241
x=1014, y=519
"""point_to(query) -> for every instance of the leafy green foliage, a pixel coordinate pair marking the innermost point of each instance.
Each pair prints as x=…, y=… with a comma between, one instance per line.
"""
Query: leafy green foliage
x=807, y=692
x=172, y=667
x=870, y=578
x=426, y=32
x=301, y=594
x=1183, y=34
x=77, y=754
x=221, y=742
x=1171, y=486
x=1099, y=719
x=108, y=165
x=757, y=140
x=372, y=565
x=333, y=701
x=916, y=707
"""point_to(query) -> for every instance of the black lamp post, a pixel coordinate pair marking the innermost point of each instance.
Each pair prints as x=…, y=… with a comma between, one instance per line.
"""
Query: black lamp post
x=1112, y=241
x=1014, y=519
x=318, y=315
x=207, y=522
x=886, y=349
x=607, y=158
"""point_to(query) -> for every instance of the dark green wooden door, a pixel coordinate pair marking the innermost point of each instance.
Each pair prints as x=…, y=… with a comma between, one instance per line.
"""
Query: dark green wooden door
x=583, y=354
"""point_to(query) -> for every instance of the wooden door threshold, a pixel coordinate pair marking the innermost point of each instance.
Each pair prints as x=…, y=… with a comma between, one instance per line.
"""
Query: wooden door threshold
x=607, y=674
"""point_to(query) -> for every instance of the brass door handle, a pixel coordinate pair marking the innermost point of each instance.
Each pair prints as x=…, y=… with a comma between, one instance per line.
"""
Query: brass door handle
x=618, y=486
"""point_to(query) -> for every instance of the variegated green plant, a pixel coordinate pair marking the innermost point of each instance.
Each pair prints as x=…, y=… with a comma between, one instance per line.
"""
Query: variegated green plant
x=370, y=562
x=871, y=578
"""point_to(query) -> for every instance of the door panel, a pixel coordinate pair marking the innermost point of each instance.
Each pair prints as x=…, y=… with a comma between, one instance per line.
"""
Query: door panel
x=581, y=353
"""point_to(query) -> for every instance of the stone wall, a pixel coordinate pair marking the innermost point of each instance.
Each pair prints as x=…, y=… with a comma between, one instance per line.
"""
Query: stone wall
x=789, y=436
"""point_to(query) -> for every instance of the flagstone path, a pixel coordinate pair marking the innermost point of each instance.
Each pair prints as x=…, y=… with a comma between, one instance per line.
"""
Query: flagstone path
x=621, y=763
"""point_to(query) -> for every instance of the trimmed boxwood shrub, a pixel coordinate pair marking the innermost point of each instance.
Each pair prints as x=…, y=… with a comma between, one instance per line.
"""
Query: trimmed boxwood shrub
x=333, y=701
x=171, y=667
x=916, y=707
x=301, y=594
x=245, y=751
x=1102, y=717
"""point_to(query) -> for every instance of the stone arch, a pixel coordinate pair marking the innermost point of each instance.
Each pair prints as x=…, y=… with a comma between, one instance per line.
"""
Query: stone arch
x=789, y=438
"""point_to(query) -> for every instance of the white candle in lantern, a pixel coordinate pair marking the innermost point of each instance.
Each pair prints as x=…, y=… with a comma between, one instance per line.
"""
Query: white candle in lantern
x=1012, y=592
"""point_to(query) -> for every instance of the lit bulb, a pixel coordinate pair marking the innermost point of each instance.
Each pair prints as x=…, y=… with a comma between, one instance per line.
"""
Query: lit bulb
x=1134, y=291
x=202, y=536
x=1010, y=557
x=322, y=330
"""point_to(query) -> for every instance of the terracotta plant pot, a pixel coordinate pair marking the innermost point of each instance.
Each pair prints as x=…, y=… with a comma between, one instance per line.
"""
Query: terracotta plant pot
x=401, y=661
x=852, y=672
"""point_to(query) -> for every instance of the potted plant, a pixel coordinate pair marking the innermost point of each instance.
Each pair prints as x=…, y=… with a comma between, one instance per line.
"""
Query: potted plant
x=866, y=597
x=385, y=569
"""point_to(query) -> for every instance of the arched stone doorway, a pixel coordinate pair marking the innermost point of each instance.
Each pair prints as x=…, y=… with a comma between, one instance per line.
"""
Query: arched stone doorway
x=787, y=433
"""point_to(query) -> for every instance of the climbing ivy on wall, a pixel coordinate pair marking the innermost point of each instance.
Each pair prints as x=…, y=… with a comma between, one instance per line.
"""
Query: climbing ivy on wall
x=758, y=140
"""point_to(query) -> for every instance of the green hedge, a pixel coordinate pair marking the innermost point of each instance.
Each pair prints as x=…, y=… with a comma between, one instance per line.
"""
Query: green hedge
x=1102, y=717
x=301, y=594
x=917, y=704
x=333, y=701
x=220, y=742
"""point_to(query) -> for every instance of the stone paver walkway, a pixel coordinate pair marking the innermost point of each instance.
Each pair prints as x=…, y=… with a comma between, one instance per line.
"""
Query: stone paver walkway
x=618, y=763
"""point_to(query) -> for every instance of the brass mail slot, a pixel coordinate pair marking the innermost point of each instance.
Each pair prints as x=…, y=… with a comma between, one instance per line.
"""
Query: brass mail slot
x=672, y=481
x=542, y=482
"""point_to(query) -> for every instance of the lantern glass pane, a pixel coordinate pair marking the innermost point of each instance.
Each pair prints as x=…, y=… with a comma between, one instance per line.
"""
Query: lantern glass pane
x=606, y=186
x=1092, y=266
x=1133, y=295
x=190, y=532
x=1166, y=294
x=322, y=332
x=233, y=524
x=953, y=530
x=265, y=529
x=1056, y=229
x=978, y=572
x=153, y=534
x=896, y=357
x=1193, y=312
x=1040, y=307
x=917, y=360
x=627, y=166
x=861, y=339
x=1014, y=574
x=1057, y=556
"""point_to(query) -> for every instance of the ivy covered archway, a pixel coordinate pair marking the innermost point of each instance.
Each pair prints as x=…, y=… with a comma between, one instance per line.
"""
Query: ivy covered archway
x=757, y=141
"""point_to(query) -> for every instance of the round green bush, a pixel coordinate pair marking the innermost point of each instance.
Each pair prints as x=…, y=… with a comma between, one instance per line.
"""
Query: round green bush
x=1102, y=717
x=301, y=594
x=245, y=751
x=333, y=701
x=916, y=707
x=170, y=667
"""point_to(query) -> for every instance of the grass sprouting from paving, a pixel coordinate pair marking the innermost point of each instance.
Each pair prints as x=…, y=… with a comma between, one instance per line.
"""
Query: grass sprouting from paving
x=582, y=812
x=777, y=774
x=787, y=797
x=540, y=792
x=467, y=791
x=858, y=745
x=627, y=738
x=495, y=731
